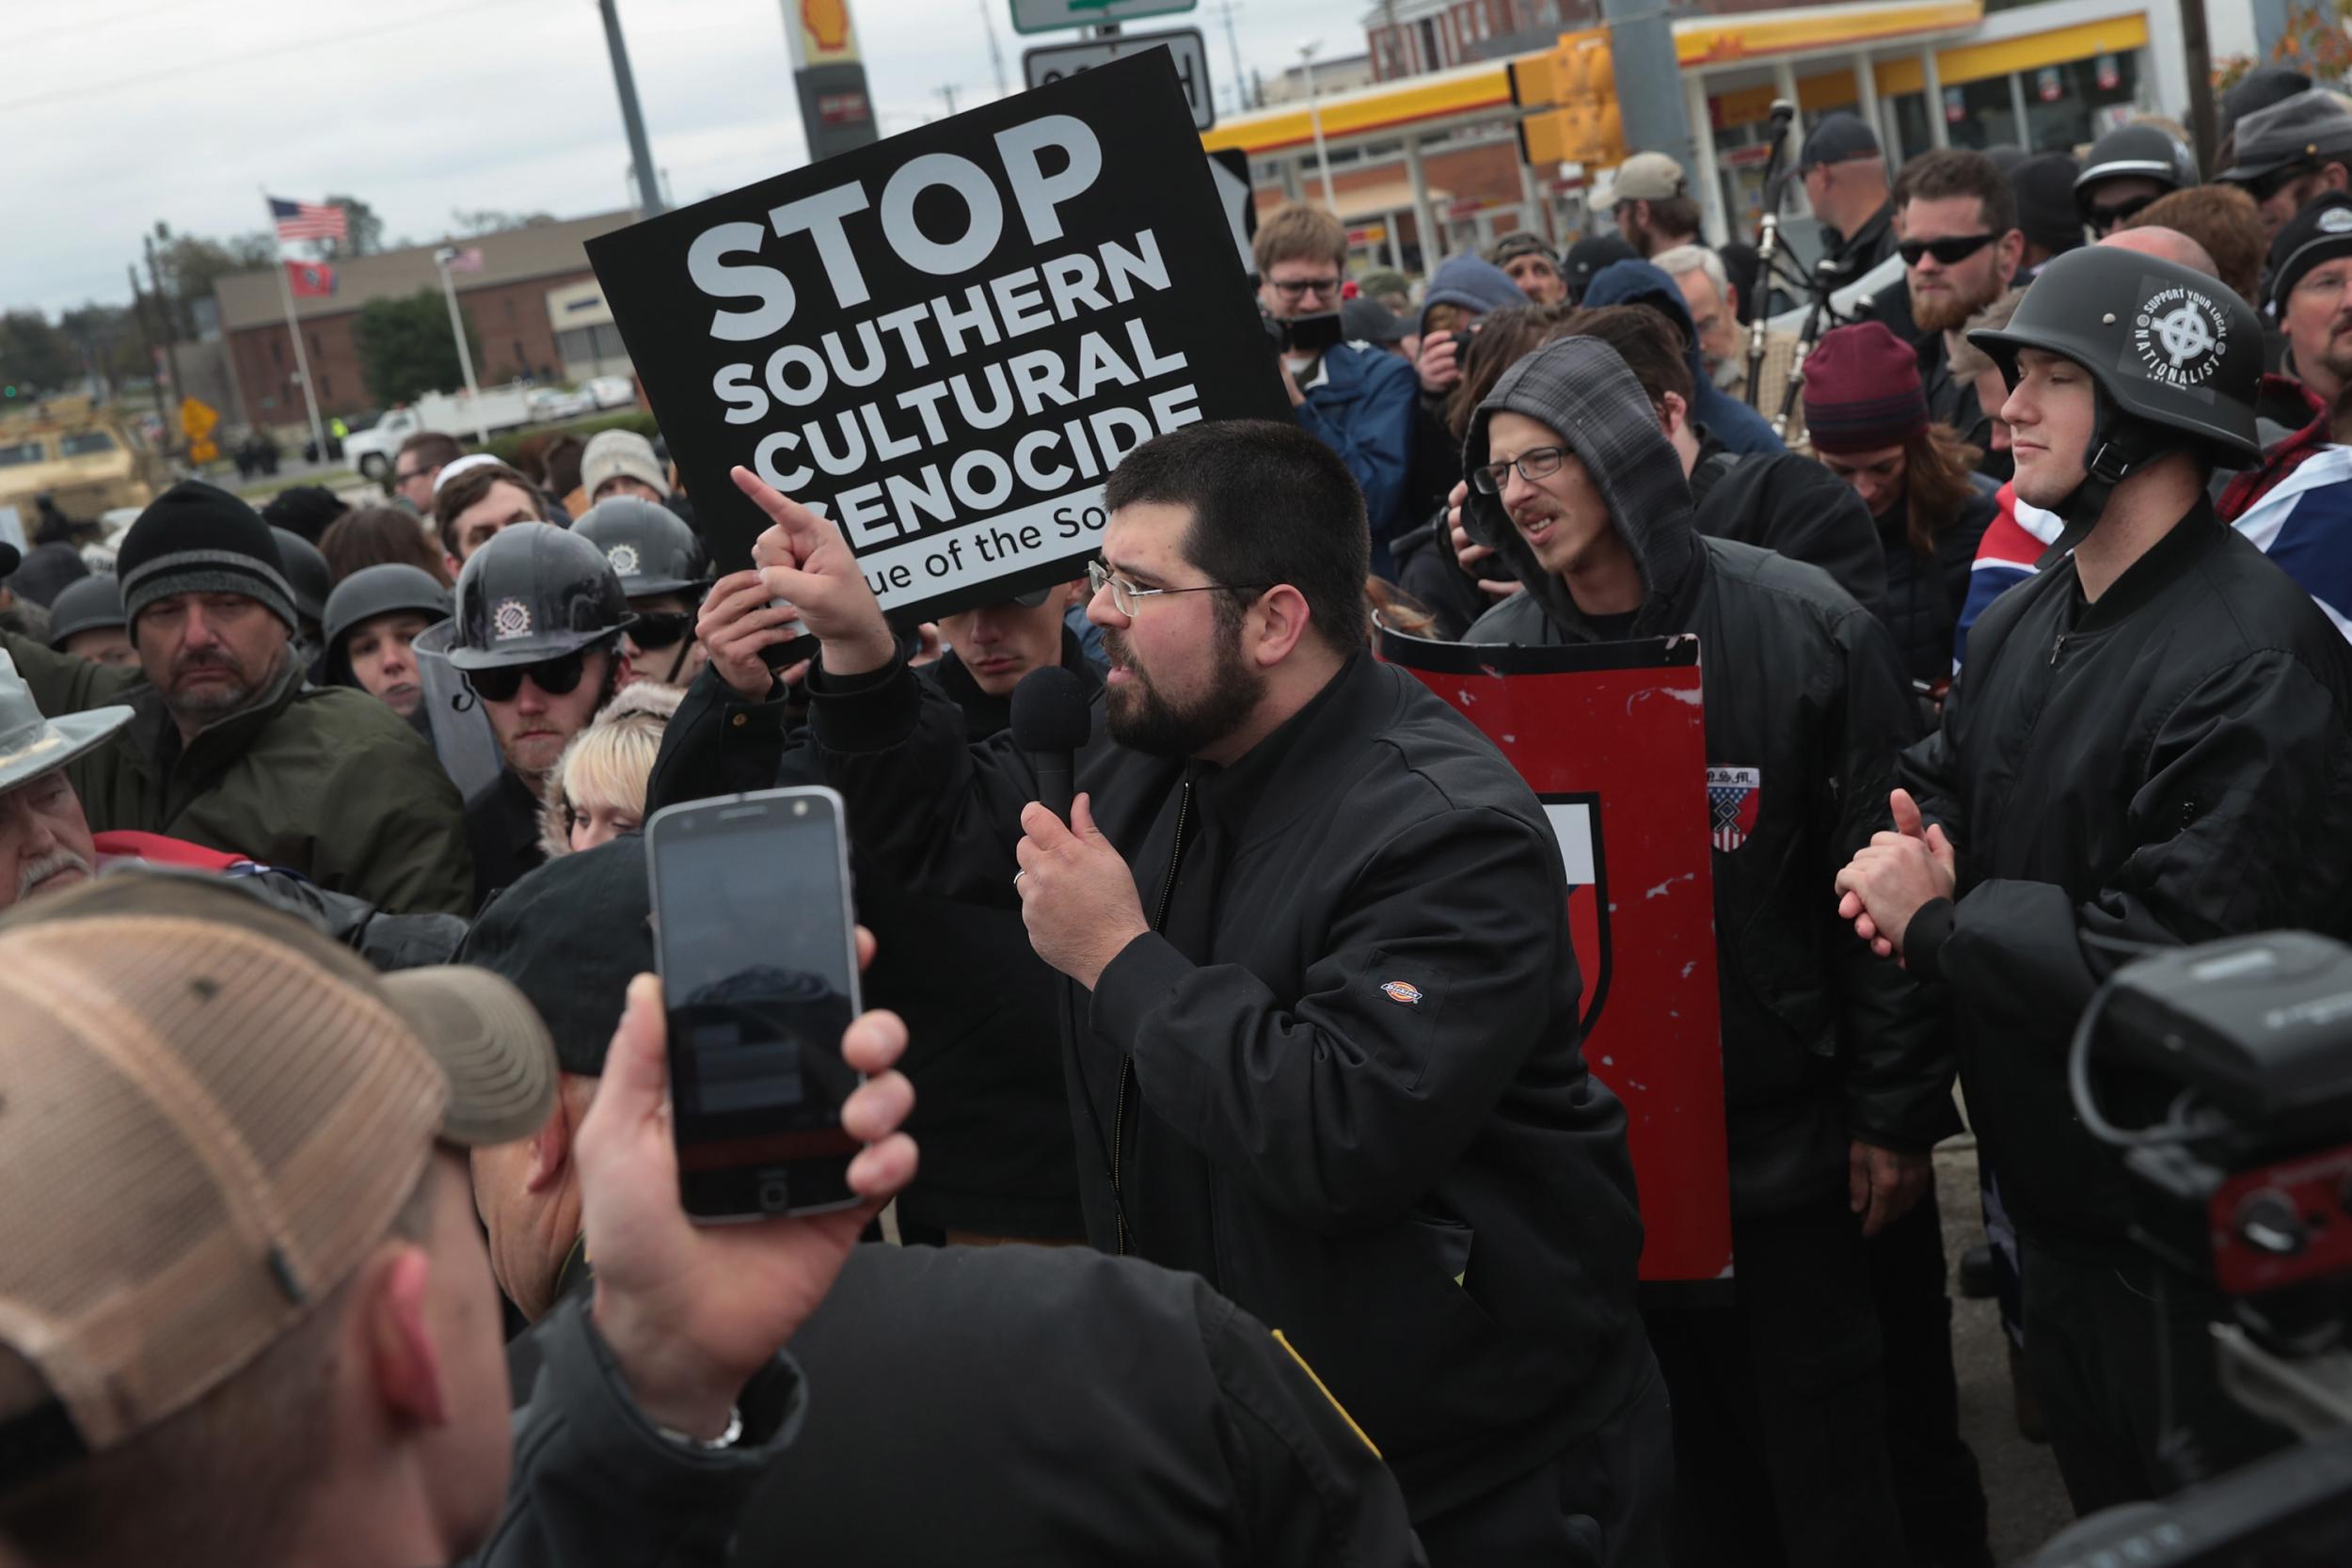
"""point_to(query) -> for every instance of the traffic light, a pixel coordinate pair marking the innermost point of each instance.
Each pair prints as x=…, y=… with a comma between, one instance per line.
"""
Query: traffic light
x=11, y=391
x=1575, y=83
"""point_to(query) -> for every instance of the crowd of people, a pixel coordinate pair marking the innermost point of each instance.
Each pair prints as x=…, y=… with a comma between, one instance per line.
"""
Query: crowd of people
x=1267, y=1210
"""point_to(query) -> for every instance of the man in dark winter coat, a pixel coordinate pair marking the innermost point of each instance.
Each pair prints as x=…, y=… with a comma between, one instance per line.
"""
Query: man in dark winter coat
x=2151, y=743
x=1717, y=413
x=1322, y=1003
x=1837, y=1077
x=231, y=748
x=995, y=1122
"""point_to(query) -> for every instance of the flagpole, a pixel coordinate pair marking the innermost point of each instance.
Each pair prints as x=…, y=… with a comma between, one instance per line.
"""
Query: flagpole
x=441, y=259
x=302, y=361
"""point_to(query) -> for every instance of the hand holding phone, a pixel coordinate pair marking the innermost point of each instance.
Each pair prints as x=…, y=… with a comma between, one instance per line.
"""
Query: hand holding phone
x=757, y=949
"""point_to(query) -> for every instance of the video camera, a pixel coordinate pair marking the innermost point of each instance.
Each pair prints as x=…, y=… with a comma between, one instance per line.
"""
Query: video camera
x=2245, y=1183
x=1314, y=334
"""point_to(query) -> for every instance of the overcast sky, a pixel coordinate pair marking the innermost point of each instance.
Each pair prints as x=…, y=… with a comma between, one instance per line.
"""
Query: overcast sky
x=118, y=113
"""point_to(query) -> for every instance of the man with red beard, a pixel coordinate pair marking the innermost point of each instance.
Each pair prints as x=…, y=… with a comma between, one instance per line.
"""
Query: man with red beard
x=1320, y=1002
x=1961, y=247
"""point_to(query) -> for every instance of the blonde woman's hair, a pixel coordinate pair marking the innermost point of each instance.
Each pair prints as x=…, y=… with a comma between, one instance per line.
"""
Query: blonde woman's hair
x=610, y=763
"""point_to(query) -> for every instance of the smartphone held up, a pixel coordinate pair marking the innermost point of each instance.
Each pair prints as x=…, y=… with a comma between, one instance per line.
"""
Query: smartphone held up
x=757, y=946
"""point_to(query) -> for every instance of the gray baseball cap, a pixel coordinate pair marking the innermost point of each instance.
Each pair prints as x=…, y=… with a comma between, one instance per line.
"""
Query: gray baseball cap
x=1648, y=177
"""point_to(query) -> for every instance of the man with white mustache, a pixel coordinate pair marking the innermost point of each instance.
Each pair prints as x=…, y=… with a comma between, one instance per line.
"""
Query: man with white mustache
x=46, y=841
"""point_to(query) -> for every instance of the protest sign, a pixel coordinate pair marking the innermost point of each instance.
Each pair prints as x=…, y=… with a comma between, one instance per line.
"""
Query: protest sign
x=1609, y=737
x=944, y=341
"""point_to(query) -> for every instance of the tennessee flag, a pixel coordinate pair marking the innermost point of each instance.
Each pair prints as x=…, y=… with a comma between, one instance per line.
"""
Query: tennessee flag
x=310, y=279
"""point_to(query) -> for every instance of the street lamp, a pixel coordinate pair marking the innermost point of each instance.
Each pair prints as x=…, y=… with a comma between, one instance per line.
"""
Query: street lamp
x=441, y=259
x=1315, y=120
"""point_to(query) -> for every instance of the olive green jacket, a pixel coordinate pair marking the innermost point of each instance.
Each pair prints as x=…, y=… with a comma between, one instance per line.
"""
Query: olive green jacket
x=324, y=781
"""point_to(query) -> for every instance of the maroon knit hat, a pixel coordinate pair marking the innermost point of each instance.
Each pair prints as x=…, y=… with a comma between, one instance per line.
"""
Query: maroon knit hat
x=1862, y=390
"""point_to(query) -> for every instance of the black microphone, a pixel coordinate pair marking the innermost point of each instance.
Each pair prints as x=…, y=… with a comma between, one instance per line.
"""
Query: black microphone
x=1052, y=718
x=1783, y=111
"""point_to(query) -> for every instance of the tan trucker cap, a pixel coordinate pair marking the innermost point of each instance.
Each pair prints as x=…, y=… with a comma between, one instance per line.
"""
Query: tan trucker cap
x=209, y=1116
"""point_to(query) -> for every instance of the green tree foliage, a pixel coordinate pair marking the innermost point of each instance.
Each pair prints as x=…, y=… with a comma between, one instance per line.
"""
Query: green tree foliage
x=190, y=265
x=406, y=349
x=34, y=355
x=367, y=231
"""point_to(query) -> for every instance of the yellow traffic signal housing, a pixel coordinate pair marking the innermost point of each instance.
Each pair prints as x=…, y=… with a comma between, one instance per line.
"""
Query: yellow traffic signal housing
x=1579, y=76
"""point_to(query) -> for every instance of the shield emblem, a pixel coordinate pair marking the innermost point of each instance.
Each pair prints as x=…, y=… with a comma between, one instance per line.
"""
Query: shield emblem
x=1733, y=797
x=1576, y=823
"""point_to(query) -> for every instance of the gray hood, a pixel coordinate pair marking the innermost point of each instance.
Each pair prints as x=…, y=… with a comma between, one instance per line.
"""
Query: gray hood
x=1582, y=388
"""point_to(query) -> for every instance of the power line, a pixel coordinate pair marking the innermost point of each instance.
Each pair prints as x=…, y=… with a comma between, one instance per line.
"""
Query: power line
x=244, y=57
x=87, y=25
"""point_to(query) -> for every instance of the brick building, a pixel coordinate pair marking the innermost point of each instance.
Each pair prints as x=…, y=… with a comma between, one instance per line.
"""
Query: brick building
x=506, y=302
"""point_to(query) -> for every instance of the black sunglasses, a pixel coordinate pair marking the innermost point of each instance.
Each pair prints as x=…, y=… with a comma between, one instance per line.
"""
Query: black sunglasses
x=655, y=629
x=1956, y=247
x=2106, y=219
x=557, y=677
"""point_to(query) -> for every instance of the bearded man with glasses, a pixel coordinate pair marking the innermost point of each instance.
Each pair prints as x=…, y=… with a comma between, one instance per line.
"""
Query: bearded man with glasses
x=1319, y=1004
x=1960, y=249
x=540, y=616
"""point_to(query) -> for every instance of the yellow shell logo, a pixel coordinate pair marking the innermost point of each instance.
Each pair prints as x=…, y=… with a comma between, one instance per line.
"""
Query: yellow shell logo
x=827, y=23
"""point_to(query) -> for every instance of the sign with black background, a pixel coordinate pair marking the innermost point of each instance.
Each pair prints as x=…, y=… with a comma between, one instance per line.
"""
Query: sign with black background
x=945, y=340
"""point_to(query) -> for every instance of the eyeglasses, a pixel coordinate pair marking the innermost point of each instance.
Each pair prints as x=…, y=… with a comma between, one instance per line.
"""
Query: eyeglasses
x=413, y=473
x=557, y=677
x=654, y=630
x=1298, y=287
x=2105, y=220
x=1534, y=463
x=1126, y=597
x=1956, y=247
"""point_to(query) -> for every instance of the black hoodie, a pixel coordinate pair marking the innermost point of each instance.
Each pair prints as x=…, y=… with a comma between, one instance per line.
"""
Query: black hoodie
x=1823, y=1042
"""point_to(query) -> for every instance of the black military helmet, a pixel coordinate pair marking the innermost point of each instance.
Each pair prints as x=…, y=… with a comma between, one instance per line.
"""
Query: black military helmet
x=2140, y=151
x=374, y=591
x=86, y=604
x=307, y=573
x=648, y=544
x=2172, y=353
x=534, y=592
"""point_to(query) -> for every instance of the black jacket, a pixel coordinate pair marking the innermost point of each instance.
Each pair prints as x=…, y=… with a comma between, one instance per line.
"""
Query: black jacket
x=1041, y=1405
x=1822, y=1044
x=1793, y=506
x=595, y=1481
x=1427, y=568
x=1924, y=598
x=1339, y=1079
x=2171, y=764
x=984, y=1011
x=502, y=831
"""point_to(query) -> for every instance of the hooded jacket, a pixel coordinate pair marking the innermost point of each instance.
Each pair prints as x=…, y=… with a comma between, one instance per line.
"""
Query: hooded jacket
x=2170, y=763
x=325, y=781
x=1339, y=1078
x=1925, y=597
x=1824, y=1044
x=1473, y=283
x=1720, y=415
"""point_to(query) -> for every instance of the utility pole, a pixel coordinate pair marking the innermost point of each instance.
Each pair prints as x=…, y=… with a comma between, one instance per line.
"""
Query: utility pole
x=441, y=259
x=632, y=119
x=2203, y=118
x=1232, y=42
x=1649, y=79
x=147, y=333
x=1314, y=121
x=168, y=301
x=995, y=55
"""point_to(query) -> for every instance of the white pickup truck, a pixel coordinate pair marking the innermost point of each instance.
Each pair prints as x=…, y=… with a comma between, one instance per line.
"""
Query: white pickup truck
x=371, y=450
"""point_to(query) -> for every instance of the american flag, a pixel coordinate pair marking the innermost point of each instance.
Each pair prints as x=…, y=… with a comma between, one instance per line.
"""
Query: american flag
x=467, y=260
x=308, y=220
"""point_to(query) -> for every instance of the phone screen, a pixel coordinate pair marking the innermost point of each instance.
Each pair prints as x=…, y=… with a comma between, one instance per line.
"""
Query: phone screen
x=759, y=975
